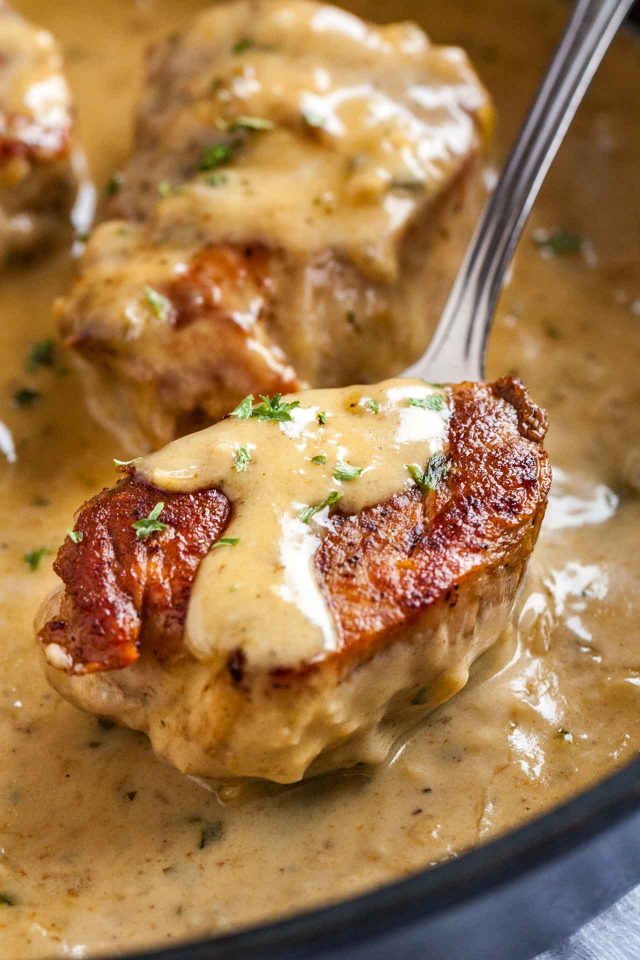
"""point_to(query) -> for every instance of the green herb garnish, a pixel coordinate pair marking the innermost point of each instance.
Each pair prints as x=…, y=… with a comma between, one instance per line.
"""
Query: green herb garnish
x=159, y=304
x=76, y=535
x=243, y=44
x=216, y=155
x=372, y=405
x=165, y=189
x=210, y=832
x=434, y=402
x=241, y=459
x=42, y=354
x=26, y=397
x=114, y=184
x=244, y=408
x=322, y=416
x=33, y=558
x=560, y=243
x=436, y=470
x=6, y=900
x=320, y=458
x=151, y=524
x=345, y=471
x=270, y=408
x=329, y=500
x=225, y=542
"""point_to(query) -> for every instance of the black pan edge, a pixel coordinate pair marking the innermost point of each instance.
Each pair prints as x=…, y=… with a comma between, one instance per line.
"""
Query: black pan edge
x=364, y=919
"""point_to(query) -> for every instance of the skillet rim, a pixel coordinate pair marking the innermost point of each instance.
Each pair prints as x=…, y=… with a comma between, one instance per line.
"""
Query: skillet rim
x=433, y=890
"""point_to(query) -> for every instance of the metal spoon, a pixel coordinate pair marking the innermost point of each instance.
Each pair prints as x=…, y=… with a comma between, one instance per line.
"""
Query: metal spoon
x=458, y=347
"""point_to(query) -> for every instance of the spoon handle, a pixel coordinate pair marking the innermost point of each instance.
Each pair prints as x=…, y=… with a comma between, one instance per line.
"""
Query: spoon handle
x=457, y=350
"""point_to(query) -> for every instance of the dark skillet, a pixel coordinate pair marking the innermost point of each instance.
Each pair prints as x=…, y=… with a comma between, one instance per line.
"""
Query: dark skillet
x=507, y=900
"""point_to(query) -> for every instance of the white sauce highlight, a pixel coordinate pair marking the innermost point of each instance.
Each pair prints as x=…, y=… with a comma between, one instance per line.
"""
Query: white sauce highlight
x=268, y=576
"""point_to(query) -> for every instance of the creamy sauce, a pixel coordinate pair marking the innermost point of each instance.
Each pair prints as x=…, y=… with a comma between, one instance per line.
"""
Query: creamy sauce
x=353, y=444
x=103, y=847
x=351, y=128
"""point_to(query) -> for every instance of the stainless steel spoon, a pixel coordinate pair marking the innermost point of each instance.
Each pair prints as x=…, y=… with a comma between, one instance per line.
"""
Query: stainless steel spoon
x=458, y=347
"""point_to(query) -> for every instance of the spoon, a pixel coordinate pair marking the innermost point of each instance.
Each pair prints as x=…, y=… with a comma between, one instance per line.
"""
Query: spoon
x=458, y=347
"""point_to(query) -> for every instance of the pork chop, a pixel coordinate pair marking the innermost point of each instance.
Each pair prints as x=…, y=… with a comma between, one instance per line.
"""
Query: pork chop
x=280, y=593
x=38, y=172
x=301, y=189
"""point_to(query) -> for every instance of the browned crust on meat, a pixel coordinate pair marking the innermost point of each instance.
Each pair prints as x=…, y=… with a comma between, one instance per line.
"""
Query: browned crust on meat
x=216, y=347
x=532, y=419
x=380, y=569
x=215, y=277
x=122, y=591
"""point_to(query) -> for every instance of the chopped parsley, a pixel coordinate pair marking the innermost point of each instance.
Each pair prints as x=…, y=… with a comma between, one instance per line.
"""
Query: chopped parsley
x=217, y=155
x=151, y=524
x=435, y=471
x=322, y=416
x=159, y=304
x=26, y=397
x=210, y=833
x=42, y=354
x=244, y=409
x=242, y=45
x=241, y=459
x=329, y=500
x=372, y=405
x=560, y=243
x=253, y=124
x=114, y=184
x=6, y=900
x=76, y=535
x=270, y=408
x=320, y=458
x=165, y=189
x=434, y=402
x=225, y=542
x=345, y=471
x=33, y=558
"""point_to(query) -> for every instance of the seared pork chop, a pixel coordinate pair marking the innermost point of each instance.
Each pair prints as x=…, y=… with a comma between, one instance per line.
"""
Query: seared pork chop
x=301, y=188
x=273, y=596
x=37, y=178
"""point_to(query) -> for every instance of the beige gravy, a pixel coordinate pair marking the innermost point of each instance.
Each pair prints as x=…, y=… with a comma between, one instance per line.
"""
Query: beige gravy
x=103, y=848
x=337, y=157
x=354, y=445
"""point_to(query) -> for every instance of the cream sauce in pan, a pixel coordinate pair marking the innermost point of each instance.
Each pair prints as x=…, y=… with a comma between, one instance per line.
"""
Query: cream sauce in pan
x=103, y=847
